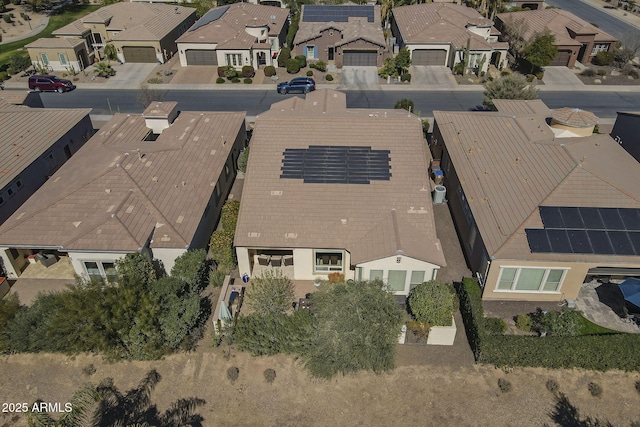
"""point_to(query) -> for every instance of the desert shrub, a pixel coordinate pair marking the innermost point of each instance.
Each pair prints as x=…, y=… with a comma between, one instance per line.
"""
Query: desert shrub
x=285, y=55
x=7, y=18
x=233, y=373
x=216, y=278
x=459, y=68
x=235, y=80
x=539, y=74
x=19, y=62
x=320, y=66
x=595, y=389
x=504, y=73
x=243, y=159
x=419, y=329
x=221, y=70
x=309, y=73
x=302, y=60
x=336, y=277
x=89, y=369
x=530, y=77
x=247, y=81
x=269, y=375
x=504, y=385
x=293, y=66
x=588, y=72
x=270, y=292
x=274, y=333
x=269, y=71
x=602, y=72
x=220, y=80
x=248, y=71
x=552, y=385
x=312, y=65
x=634, y=73
x=604, y=58
x=154, y=80
x=406, y=77
x=495, y=326
x=432, y=302
x=328, y=78
x=524, y=322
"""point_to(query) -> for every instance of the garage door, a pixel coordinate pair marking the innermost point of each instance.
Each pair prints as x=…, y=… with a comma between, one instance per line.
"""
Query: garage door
x=429, y=57
x=139, y=54
x=201, y=57
x=562, y=59
x=360, y=58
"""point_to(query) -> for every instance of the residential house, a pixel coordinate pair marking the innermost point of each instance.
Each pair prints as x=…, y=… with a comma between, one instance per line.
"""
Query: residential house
x=575, y=39
x=22, y=98
x=331, y=189
x=152, y=183
x=527, y=4
x=625, y=132
x=140, y=32
x=439, y=34
x=238, y=34
x=540, y=203
x=34, y=143
x=341, y=35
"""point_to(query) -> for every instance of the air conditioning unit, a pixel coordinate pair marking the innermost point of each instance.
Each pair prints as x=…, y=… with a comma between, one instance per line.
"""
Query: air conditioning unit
x=439, y=194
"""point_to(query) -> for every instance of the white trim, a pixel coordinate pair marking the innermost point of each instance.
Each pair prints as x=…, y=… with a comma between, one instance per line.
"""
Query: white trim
x=544, y=279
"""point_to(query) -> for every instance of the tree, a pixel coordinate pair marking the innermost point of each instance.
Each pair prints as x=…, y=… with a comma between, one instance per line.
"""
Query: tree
x=192, y=268
x=243, y=160
x=271, y=292
x=433, y=303
x=110, y=52
x=405, y=104
x=402, y=60
x=293, y=29
x=20, y=62
x=203, y=6
x=512, y=86
x=628, y=47
x=357, y=329
x=146, y=96
x=9, y=308
x=102, y=69
x=541, y=51
x=513, y=32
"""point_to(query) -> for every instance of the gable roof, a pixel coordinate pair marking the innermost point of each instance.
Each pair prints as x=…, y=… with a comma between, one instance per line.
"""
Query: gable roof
x=278, y=212
x=357, y=27
x=28, y=132
x=118, y=191
x=227, y=25
x=510, y=162
x=442, y=23
x=558, y=22
x=55, y=43
x=132, y=20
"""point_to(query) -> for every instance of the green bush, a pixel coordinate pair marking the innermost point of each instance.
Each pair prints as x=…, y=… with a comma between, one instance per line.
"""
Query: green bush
x=604, y=58
x=7, y=18
x=539, y=74
x=405, y=104
x=328, y=78
x=588, y=72
x=406, y=77
x=524, y=322
x=154, y=80
x=432, y=302
x=504, y=73
x=235, y=80
x=530, y=77
x=247, y=81
x=222, y=250
x=216, y=278
x=19, y=62
x=229, y=215
x=285, y=55
x=309, y=73
x=269, y=375
x=223, y=69
x=220, y=80
x=243, y=159
x=559, y=323
x=459, y=68
x=602, y=72
x=293, y=66
x=302, y=60
x=495, y=326
x=269, y=71
x=270, y=292
x=248, y=71
x=274, y=333
x=320, y=66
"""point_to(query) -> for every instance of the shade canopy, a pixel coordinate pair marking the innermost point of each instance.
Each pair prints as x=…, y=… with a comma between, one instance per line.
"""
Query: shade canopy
x=630, y=289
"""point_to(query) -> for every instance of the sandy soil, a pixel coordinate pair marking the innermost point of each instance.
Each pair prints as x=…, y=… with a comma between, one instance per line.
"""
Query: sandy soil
x=20, y=26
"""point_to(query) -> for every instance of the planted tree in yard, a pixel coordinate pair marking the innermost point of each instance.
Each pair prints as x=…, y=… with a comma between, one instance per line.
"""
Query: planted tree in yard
x=432, y=302
x=270, y=292
x=402, y=60
x=110, y=52
x=192, y=268
x=405, y=104
x=102, y=69
x=541, y=51
x=20, y=62
x=628, y=48
x=9, y=308
x=357, y=329
x=512, y=86
x=513, y=32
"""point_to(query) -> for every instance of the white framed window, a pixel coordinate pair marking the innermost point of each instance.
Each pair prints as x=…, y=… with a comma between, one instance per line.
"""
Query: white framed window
x=311, y=52
x=102, y=270
x=328, y=261
x=234, y=59
x=520, y=279
x=63, y=58
x=397, y=280
x=375, y=275
x=599, y=47
x=45, y=58
x=417, y=277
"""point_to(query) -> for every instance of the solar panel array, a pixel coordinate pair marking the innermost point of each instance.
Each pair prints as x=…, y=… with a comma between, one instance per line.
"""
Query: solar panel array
x=336, y=164
x=603, y=231
x=316, y=13
x=209, y=17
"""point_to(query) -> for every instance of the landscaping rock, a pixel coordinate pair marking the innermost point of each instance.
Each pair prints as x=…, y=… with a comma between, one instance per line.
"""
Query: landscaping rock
x=597, y=81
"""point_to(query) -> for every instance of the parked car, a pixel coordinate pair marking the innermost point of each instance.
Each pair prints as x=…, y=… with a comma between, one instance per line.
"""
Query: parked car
x=41, y=83
x=298, y=84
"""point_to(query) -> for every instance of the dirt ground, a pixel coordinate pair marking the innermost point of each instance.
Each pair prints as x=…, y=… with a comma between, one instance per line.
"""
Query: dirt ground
x=19, y=25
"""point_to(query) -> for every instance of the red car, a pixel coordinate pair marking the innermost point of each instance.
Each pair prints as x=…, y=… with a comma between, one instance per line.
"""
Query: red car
x=42, y=83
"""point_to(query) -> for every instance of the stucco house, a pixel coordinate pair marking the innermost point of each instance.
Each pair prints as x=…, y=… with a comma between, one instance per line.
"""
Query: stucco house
x=539, y=207
x=34, y=143
x=438, y=34
x=625, y=132
x=351, y=196
x=238, y=34
x=341, y=34
x=576, y=39
x=140, y=32
x=152, y=183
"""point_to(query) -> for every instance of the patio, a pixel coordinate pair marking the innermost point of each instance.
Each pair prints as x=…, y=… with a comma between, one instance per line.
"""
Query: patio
x=61, y=269
x=603, y=304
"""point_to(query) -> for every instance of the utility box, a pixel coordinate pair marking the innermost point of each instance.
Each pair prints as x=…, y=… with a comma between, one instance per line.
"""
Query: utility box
x=439, y=194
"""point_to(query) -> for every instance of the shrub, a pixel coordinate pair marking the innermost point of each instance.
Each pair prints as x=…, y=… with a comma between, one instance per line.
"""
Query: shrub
x=320, y=66
x=524, y=322
x=419, y=329
x=588, y=72
x=504, y=73
x=7, y=18
x=89, y=369
x=504, y=385
x=235, y=80
x=336, y=277
x=552, y=385
x=603, y=58
x=432, y=302
x=229, y=215
x=459, y=68
x=269, y=375
x=595, y=389
x=285, y=55
x=216, y=278
x=539, y=74
x=405, y=104
x=221, y=245
x=232, y=373
x=637, y=386
x=221, y=70
x=243, y=159
x=328, y=78
x=220, y=80
x=274, y=333
x=19, y=62
x=154, y=80
x=495, y=326
x=309, y=73
x=312, y=65
x=269, y=71
x=270, y=292
x=406, y=77
x=530, y=77
x=602, y=72
x=634, y=74
x=425, y=127
x=302, y=60
x=247, y=81
x=293, y=66
x=248, y=71
x=558, y=323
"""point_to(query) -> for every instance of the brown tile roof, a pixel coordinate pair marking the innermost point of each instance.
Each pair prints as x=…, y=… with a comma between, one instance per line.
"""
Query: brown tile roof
x=55, y=42
x=509, y=163
x=76, y=28
x=229, y=30
x=288, y=213
x=356, y=28
x=442, y=23
x=119, y=190
x=13, y=97
x=27, y=133
x=575, y=117
x=557, y=21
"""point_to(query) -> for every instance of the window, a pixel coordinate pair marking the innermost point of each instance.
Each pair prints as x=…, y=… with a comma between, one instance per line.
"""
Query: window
x=92, y=270
x=375, y=275
x=63, y=58
x=234, y=59
x=19, y=183
x=417, y=277
x=599, y=47
x=101, y=270
x=45, y=59
x=110, y=271
x=530, y=279
x=311, y=52
x=10, y=191
x=97, y=38
x=14, y=253
x=328, y=261
x=397, y=279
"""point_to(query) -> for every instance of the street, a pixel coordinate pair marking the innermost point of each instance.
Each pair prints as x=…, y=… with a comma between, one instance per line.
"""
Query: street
x=591, y=14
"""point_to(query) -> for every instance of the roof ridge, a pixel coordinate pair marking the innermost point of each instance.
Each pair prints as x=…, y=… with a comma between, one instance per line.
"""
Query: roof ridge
x=396, y=229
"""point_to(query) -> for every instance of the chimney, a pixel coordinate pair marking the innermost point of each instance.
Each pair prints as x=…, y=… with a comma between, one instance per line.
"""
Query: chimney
x=159, y=115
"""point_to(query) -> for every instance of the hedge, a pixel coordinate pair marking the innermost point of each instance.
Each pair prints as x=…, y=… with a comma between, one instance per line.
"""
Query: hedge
x=593, y=352
x=274, y=333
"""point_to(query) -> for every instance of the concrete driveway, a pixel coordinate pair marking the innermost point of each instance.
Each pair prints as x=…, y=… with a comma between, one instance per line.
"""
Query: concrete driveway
x=561, y=76
x=360, y=78
x=129, y=75
x=431, y=75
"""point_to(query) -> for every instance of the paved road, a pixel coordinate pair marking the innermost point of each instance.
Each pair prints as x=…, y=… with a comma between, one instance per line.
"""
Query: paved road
x=603, y=104
x=593, y=14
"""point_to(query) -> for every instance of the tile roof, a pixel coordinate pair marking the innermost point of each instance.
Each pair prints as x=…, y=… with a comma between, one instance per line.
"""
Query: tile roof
x=118, y=190
x=13, y=97
x=28, y=132
x=288, y=213
x=557, y=21
x=575, y=117
x=442, y=23
x=229, y=31
x=55, y=42
x=509, y=162
x=356, y=28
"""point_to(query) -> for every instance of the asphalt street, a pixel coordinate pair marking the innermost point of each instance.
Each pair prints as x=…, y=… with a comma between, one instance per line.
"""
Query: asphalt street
x=591, y=14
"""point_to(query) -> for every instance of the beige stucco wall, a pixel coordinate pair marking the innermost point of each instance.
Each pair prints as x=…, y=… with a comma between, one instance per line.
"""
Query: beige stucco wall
x=184, y=47
x=583, y=131
x=12, y=266
x=77, y=259
x=406, y=263
x=167, y=256
x=53, y=55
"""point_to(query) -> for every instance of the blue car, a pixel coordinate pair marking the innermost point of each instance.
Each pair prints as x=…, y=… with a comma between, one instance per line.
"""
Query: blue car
x=299, y=84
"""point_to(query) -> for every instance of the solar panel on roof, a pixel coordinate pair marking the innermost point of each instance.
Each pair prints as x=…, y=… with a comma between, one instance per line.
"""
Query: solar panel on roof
x=635, y=241
x=571, y=218
x=621, y=243
x=318, y=13
x=600, y=242
x=559, y=241
x=538, y=240
x=591, y=218
x=209, y=17
x=630, y=219
x=551, y=217
x=611, y=219
x=579, y=241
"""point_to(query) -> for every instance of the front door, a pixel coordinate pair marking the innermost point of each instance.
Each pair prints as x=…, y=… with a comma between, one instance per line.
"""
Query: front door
x=330, y=53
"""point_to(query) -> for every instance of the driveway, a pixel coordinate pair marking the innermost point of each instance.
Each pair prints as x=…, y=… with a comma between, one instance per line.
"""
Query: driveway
x=129, y=75
x=431, y=76
x=360, y=78
x=561, y=76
